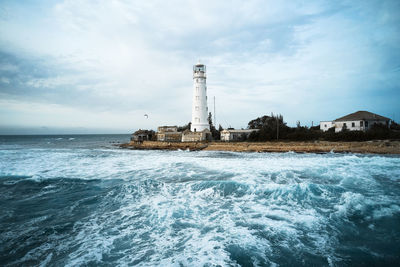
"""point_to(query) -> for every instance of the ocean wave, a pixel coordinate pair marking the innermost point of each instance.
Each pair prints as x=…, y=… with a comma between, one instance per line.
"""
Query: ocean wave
x=169, y=208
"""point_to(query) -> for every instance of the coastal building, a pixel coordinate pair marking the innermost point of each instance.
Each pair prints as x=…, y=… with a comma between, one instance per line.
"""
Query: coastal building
x=357, y=121
x=199, y=102
x=326, y=125
x=236, y=135
x=142, y=135
x=189, y=136
x=168, y=134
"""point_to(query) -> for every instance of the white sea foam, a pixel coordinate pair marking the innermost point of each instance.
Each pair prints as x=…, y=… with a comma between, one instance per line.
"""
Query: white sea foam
x=195, y=208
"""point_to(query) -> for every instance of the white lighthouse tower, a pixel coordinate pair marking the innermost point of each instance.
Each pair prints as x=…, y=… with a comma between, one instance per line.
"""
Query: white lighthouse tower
x=199, y=107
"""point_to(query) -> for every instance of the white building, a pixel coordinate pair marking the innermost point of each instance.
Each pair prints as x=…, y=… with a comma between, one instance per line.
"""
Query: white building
x=168, y=134
x=326, y=125
x=236, y=135
x=199, y=106
x=357, y=121
x=188, y=136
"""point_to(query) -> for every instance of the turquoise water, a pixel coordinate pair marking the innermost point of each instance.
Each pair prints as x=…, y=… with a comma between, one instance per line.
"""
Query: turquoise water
x=78, y=200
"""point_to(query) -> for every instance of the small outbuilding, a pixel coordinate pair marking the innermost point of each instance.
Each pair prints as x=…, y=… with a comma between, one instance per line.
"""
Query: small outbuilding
x=169, y=134
x=142, y=135
x=236, y=135
x=188, y=136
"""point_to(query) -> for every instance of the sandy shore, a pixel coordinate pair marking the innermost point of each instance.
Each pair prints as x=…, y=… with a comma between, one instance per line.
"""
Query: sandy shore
x=374, y=147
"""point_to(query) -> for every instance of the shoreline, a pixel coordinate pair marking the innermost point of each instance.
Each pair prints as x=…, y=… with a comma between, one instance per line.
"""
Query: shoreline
x=364, y=147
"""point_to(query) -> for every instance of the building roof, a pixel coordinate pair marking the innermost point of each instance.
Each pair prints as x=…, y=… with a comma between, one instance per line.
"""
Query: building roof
x=241, y=130
x=167, y=128
x=362, y=115
x=140, y=131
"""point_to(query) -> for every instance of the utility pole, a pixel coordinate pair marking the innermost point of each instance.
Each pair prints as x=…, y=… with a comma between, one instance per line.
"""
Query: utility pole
x=215, y=120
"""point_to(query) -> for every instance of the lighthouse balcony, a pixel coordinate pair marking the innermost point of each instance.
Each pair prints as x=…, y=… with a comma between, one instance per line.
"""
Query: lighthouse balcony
x=199, y=75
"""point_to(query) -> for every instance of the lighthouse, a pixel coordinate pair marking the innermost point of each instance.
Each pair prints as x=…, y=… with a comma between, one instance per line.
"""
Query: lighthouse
x=199, y=106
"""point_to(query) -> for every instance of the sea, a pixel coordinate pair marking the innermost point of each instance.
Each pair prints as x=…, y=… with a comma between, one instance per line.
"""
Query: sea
x=80, y=200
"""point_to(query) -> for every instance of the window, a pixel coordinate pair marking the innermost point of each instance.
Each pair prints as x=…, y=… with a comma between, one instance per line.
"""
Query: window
x=326, y=126
x=197, y=97
x=353, y=124
x=344, y=124
x=197, y=119
x=197, y=108
x=361, y=123
x=366, y=124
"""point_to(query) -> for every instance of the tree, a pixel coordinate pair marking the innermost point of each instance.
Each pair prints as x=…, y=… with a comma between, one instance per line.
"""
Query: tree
x=268, y=127
x=184, y=127
x=260, y=122
x=209, y=119
x=216, y=135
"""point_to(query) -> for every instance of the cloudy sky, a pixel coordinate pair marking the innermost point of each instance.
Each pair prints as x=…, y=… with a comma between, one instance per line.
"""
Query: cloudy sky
x=99, y=66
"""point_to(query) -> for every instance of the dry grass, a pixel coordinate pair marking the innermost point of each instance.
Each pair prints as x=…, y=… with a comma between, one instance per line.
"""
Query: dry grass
x=375, y=147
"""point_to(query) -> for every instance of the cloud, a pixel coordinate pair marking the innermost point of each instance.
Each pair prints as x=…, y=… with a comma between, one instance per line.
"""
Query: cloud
x=308, y=61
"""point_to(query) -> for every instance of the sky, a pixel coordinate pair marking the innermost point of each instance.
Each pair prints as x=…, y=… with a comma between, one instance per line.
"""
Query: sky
x=79, y=66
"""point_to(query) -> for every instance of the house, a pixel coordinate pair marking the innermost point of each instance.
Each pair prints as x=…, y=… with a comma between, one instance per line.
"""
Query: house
x=236, y=135
x=169, y=134
x=326, y=125
x=142, y=135
x=357, y=121
x=188, y=136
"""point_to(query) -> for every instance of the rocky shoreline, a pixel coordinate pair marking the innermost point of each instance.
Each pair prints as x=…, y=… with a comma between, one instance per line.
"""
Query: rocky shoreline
x=367, y=147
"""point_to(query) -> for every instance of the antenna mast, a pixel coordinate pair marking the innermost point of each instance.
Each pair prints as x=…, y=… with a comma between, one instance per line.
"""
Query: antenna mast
x=215, y=121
